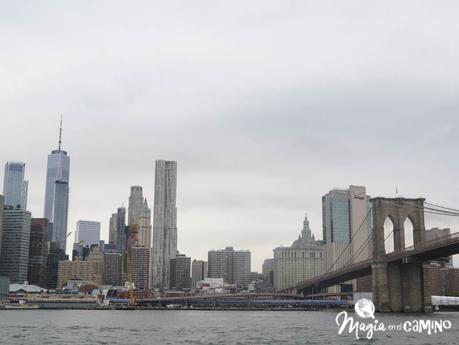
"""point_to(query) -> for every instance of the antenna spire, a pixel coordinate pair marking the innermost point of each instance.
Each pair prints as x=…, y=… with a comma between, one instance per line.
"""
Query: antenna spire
x=60, y=134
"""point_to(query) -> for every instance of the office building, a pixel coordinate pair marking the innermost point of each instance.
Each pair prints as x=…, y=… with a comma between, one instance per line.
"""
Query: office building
x=55, y=255
x=80, y=251
x=164, y=222
x=345, y=215
x=112, y=268
x=4, y=289
x=145, y=226
x=57, y=194
x=140, y=260
x=231, y=265
x=14, y=258
x=91, y=269
x=180, y=272
x=301, y=261
x=2, y=200
x=14, y=186
x=121, y=239
x=135, y=205
x=113, y=229
x=87, y=232
x=267, y=270
x=198, y=272
x=38, y=251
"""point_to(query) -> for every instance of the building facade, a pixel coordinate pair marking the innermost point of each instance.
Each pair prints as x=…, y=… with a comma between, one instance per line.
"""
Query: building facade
x=2, y=200
x=145, y=225
x=14, y=186
x=135, y=205
x=346, y=215
x=140, y=261
x=121, y=238
x=38, y=252
x=91, y=269
x=198, y=272
x=57, y=194
x=302, y=260
x=87, y=232
x=164, y=222
x=14, y=258
x=231, y=265
x=112, y=231
x=55, y=255
x=267, y=270
x=180, y=272
x=112, y=268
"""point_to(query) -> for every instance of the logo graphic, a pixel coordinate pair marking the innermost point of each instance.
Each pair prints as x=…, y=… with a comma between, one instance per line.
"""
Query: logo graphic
x=365, y=308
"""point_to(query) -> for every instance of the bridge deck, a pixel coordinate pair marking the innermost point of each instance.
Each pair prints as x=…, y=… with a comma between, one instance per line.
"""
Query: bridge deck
x=440, y=247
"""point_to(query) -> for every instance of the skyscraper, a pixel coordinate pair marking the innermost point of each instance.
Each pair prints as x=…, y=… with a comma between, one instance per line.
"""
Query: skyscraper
x=145, y=225
x=57, y=194
x=14, y=258
x=38, y=251
x=180, y=272
x=345, y=216
x=14, y=186
x=55, y=255
x=112, y=232
x=164, y=222
x=140, y=260
x=121, y=239
x=112, y=268
x=88, y=232
x=135, y=205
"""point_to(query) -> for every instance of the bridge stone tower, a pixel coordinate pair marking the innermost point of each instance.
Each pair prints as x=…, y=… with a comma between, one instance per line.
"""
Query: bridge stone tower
x=399, y=286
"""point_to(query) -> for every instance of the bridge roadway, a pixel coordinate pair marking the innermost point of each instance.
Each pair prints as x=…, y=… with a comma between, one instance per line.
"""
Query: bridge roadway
x=440, y=247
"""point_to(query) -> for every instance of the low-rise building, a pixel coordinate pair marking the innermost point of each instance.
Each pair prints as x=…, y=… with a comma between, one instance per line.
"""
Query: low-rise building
x=91, y=269
x=231, y=265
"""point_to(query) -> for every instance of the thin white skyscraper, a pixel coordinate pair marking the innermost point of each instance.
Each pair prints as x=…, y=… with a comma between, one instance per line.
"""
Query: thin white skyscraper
x=57, y=194
x=164, y=222
x=14, y=186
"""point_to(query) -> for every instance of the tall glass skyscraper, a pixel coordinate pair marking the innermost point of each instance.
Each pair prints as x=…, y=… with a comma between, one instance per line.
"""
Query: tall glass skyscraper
x=346, y=216
x=57, y=194
x=164, y=222
x=14, y=186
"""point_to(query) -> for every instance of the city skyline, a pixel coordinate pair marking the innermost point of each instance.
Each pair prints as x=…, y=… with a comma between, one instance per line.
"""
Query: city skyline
x=260, y=124
x=258, y=260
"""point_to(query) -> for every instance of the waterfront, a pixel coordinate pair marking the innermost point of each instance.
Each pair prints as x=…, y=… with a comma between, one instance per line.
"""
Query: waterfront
x=202, y=327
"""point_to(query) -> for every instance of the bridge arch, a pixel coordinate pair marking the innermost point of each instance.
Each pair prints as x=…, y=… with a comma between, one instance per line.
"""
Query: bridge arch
x=388, y=235
x=398, y=210
x=408, y=233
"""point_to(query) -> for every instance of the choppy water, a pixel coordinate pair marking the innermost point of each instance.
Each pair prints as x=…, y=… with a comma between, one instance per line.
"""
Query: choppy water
x=200, y=327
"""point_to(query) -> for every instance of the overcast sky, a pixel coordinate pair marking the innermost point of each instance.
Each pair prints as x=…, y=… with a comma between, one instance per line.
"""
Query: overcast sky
x=265, y=105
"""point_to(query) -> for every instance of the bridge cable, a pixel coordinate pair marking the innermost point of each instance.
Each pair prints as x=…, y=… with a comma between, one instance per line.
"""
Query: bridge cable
x=350, y=242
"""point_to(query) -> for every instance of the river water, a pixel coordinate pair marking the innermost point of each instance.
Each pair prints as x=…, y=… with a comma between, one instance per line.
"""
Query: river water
x=56, y=327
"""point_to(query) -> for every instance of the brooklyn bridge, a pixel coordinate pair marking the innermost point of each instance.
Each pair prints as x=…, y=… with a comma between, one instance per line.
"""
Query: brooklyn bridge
x=400, y=279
